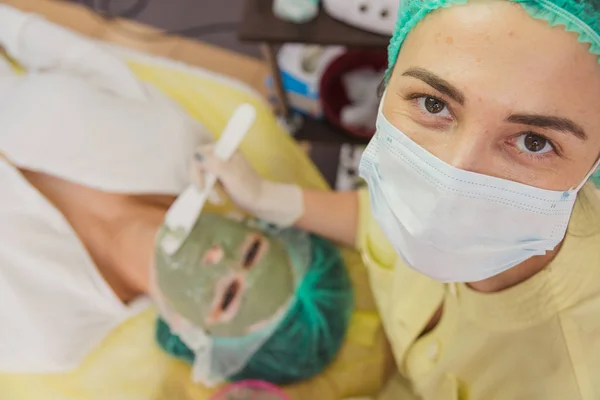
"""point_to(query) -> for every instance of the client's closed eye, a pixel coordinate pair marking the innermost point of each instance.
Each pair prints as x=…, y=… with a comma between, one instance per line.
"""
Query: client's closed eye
x=227, y=300
x=252, y=251
x=230, y=294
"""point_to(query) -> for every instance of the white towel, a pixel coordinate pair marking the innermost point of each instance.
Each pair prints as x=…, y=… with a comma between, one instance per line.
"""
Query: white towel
x=81, y=115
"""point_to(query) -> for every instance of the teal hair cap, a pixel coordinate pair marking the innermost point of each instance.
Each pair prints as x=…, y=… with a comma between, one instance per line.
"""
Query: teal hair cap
x=580, y=17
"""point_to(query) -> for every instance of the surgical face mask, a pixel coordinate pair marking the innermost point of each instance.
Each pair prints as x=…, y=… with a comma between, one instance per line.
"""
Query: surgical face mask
x=454, y=225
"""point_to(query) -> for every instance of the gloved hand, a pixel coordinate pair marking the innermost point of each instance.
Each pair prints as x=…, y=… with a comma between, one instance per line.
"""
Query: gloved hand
x=277, y=203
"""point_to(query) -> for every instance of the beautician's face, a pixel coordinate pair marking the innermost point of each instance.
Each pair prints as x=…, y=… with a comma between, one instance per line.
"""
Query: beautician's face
x=486, y=88
x=227, y=278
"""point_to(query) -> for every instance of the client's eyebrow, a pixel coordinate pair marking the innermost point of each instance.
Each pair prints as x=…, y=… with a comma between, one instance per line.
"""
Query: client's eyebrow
x=437, y=83
x=549, y=122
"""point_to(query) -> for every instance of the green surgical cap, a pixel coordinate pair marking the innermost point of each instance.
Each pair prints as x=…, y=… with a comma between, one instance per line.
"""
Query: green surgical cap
x=581, y=17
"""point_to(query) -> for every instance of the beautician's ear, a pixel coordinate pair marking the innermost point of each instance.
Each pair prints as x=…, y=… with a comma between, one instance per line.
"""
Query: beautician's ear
x=381, y=89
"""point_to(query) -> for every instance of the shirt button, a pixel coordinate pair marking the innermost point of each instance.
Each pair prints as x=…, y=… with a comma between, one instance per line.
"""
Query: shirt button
x=434, y=351
x=452, y=289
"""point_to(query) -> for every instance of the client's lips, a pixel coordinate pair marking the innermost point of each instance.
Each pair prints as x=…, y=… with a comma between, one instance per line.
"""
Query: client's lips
x=227, y=300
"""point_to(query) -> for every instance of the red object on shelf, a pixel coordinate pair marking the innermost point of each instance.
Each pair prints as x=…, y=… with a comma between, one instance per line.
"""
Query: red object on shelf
x=333, y=93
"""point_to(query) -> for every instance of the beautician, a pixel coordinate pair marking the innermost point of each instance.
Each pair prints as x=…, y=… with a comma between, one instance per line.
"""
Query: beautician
x=478, y=230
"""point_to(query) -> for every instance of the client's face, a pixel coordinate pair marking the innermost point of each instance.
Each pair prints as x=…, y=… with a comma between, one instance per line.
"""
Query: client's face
x=227, y=278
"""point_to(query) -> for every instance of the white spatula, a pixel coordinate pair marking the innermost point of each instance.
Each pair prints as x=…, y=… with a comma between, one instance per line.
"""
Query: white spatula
x=184, y=212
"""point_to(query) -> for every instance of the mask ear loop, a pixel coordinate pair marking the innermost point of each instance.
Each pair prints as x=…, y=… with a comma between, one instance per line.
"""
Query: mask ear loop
x=380, y=108
x=380, y=115
x=592, y=171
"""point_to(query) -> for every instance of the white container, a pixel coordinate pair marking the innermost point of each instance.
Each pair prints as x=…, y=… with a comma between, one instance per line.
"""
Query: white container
x=297, y=11
x=377, y=16
x=302, y=68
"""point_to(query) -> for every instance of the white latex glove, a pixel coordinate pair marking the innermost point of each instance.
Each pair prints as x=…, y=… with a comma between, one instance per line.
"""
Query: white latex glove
x=277, y=203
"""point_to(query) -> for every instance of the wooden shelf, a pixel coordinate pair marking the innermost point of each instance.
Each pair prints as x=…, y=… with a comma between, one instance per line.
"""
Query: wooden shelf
x=259, y=24
x=321, y=131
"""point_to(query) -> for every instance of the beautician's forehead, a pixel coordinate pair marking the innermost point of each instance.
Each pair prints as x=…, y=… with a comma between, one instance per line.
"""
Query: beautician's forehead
x=495, y=47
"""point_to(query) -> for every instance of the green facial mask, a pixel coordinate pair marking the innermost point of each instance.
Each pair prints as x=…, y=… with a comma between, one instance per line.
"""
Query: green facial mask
x=227, y=278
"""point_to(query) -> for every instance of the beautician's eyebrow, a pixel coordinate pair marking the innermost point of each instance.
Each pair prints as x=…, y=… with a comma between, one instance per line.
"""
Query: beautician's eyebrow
x=548, y=122
x=541, y=121
x=437, y=83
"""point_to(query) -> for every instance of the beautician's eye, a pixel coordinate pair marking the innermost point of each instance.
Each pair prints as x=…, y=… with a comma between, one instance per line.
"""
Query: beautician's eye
x=434, y=106
x=532, y=143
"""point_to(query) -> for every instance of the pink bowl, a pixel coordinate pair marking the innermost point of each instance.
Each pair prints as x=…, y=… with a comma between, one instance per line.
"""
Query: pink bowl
x=250, y=390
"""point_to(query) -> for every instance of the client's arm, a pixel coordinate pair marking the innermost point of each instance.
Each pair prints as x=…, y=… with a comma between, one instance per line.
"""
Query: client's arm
x=41, y=45
x=333, y=215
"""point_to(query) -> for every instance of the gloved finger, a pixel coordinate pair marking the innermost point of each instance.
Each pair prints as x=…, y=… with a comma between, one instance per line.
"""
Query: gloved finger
x=197, y=175
x=204, y=150
x=213, y=198
x=206, y=159
x=216, y=196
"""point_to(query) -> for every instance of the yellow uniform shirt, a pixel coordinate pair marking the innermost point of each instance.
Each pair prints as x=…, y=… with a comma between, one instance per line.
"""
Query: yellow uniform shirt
x=539, y=340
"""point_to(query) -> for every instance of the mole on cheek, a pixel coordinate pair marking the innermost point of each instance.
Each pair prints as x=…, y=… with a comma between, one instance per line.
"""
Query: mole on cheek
x=449, y=40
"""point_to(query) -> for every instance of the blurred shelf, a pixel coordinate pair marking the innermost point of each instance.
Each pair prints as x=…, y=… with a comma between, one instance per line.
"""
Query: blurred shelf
x=321, y=131
x=259, y=24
